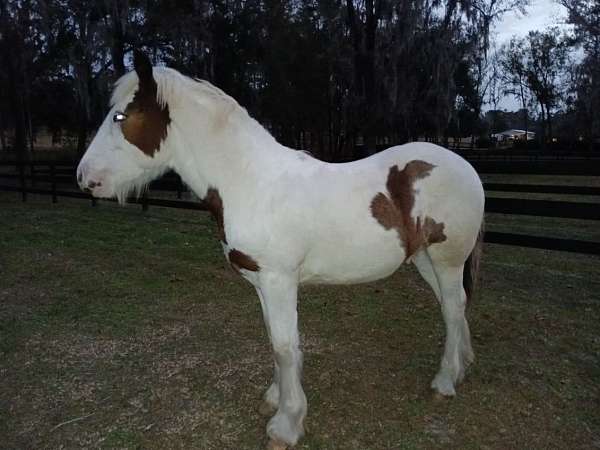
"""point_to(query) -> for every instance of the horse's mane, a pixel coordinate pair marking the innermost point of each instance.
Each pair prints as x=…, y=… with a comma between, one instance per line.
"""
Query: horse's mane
x=172, y=87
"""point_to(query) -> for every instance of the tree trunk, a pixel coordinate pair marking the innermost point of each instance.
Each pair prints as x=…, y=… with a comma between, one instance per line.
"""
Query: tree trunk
x=2, y=131
x=526, y=121
x=118, y=14
x=12, y=53
x=27, y=110
x=549, y=121
x=543, y=127
x=363, y=39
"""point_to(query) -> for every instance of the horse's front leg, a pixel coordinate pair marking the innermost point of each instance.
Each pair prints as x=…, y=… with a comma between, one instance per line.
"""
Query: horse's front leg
x=270, y=400
x=278, y=294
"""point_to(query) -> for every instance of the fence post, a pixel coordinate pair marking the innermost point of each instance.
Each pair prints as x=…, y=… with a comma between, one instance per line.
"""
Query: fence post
x=32, y=172
x=145, y=201
x=21, y=165
x=179, y=187
x=53, y=181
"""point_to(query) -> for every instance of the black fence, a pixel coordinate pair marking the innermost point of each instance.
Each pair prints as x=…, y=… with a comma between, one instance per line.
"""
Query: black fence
x=59, y=180
x=512, y=152
x=524, y=154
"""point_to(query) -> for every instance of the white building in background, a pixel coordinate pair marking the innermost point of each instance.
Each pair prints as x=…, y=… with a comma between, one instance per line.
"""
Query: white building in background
x=514, y=135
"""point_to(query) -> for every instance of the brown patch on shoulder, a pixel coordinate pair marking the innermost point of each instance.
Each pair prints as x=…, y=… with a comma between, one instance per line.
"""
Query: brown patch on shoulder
x=214, y=204
x=394, y=210
x=240, y=260
x=147, y=121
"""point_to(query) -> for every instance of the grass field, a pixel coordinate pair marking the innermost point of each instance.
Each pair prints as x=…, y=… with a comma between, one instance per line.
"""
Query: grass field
x=124, y=329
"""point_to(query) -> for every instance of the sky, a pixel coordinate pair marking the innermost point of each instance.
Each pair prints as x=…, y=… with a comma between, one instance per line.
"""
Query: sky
x=540, y=15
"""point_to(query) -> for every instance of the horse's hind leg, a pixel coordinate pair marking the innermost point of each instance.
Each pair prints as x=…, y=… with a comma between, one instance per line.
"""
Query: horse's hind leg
x=458, y=353
x=423, y=263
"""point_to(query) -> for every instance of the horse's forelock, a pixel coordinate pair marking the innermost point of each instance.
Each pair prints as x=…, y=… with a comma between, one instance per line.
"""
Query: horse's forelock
x=124, y=87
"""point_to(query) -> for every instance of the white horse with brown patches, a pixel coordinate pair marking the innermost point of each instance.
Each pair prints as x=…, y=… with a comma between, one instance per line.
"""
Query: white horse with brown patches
x=285, y=218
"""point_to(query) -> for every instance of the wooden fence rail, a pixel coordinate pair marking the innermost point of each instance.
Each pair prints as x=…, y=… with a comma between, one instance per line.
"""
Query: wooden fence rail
x=62, y=173
x=543, y=208
x=542, y=189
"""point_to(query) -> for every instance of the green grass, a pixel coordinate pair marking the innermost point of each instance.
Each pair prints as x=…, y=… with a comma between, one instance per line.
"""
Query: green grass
x=133, y=323
x=544, y=226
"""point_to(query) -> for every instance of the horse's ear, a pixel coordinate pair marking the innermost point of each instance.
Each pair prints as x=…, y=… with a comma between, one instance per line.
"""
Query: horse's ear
x=143, y=67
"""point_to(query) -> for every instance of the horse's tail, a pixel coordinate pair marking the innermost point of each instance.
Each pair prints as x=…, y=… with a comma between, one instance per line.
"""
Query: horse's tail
x=471, y=270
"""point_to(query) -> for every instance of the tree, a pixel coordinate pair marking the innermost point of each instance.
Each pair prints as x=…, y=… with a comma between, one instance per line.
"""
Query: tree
x=484, y=72
x=584, y=15
x=12, y=46
x=546, y=63
x=495, y=91
x=317, y=73
x=363, y=25
x=535, y=68
x=512, y=60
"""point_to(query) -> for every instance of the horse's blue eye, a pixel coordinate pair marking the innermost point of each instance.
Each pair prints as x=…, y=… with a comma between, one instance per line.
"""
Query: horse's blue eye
x=119, y=117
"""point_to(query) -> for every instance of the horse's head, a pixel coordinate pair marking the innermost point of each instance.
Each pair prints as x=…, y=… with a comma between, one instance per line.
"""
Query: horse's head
x=129, y=149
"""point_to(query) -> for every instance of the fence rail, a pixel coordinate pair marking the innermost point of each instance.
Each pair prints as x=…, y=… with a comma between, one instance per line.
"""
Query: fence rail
x=542, y=189
x=543, y=208
x=62, y=173
x=565, y=167
x=523, y=240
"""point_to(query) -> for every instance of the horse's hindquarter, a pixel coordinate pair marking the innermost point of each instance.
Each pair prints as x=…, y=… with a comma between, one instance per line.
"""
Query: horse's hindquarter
x=349, y=244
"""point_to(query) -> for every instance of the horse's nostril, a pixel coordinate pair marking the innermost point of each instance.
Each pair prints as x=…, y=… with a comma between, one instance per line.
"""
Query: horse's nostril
x=92, y=184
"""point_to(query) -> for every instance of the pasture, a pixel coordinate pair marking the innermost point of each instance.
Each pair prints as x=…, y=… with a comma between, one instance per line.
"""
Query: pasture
x=126, y=329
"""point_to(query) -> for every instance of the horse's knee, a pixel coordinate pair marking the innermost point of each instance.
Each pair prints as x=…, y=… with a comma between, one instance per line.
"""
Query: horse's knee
x=287, y=355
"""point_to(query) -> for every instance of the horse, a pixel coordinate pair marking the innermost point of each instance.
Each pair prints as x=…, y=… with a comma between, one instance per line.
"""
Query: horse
x=285, y=218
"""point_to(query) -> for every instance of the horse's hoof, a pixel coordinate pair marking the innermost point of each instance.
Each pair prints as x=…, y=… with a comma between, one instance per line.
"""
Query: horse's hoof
x=439, y=398
x=266, y=409
x=276, y=445
x=442, y=384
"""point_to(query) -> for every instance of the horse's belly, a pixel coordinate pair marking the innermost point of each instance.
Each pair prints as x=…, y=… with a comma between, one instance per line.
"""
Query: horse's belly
x=353, y=261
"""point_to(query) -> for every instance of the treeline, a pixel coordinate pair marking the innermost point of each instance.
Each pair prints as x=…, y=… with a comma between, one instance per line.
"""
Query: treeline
x=555, y=76
x=320, y=74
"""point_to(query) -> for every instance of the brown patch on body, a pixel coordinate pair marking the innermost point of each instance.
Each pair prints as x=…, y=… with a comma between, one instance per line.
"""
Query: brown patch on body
x=147, y=121
x=239, y=260
x=394, y=210
x=214, y=204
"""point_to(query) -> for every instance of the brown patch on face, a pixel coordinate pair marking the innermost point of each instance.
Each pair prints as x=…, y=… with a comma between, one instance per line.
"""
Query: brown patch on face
x=239, y=260
x=395, y=211
x=214, y=204
x=147, y=121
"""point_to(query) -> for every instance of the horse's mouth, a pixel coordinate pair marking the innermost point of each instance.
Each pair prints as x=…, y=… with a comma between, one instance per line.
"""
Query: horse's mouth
x=97, y=191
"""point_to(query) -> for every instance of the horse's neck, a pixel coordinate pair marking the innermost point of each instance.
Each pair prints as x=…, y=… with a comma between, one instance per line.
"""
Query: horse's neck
x=234, y=162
